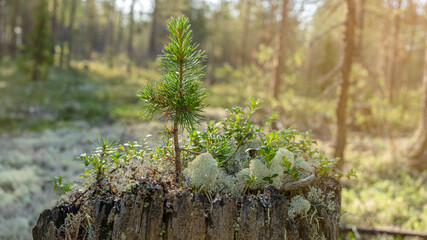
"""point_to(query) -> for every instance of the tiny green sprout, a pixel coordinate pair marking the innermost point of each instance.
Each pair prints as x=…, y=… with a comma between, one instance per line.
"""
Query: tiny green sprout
x=351, y=173
x=98, y=160
x=60, y=186
x=250, y=180
x=269, y=179
x=293, y=171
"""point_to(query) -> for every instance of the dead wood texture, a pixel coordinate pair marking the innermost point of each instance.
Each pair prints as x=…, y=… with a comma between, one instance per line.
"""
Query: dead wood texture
x=150, y=212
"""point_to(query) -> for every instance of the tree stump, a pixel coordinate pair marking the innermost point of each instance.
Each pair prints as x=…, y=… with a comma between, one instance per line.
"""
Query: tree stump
x=149, y=211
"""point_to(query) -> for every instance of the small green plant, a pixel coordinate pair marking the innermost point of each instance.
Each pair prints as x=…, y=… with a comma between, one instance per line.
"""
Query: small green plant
x=98, y=160
x=250, y=179
x=178, y=94
x=61, y=187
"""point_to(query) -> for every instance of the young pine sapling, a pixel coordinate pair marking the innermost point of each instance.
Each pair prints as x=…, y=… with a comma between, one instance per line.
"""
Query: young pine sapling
x=178, y=94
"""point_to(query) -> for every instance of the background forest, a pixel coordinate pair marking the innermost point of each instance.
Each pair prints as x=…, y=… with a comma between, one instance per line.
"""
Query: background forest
x=353, y=71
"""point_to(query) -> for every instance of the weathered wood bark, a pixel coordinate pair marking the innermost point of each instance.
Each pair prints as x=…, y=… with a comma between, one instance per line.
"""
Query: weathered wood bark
x=341, y=110
x=418, y=152
x=150, y=212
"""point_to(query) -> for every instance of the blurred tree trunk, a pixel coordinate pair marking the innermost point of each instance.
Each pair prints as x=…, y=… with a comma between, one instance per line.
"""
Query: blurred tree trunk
x=109, y=35
x=418, y=152
x=383, y=55
x=130, y=39
x=245, y=32
x=110, y=25
x=118, y=43
x=393, y=70
x=280, y=60
x=406, y=76
x=2, y=27
x=91, y=25
x=70, y=34
x=13, y=25
x=341, y=110
x=217, y=18
x=152, y=50
x=62, y=33
x=53, y=27
x=360, y=23
x=271, y=22
x=281, y=52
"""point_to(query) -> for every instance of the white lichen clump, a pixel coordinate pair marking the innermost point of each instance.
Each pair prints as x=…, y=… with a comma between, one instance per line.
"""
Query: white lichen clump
x=299, y=206
x=204, y=173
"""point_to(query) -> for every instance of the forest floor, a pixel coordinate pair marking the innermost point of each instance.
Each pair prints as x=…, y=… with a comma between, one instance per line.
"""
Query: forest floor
x=44, y=126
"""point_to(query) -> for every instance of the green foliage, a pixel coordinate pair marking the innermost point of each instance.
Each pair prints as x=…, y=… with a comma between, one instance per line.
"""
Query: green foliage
x=60, y=186
x=211, y=141
x=37, y=53
x=273, y=156
x=222, y=137
x=98, y=160
x=177, y=95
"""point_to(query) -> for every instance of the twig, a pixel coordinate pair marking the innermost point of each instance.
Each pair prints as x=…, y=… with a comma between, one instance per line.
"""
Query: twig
x=298, y=184
x=378, y=231
x=189, y=151
x=237, y=148
x=75, y=200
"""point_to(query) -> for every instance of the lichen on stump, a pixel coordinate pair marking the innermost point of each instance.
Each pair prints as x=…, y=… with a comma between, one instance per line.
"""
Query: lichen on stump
x=149, y=211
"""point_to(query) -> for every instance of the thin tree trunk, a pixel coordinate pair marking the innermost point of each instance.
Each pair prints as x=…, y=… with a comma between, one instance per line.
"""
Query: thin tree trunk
x=118, y=42
x=245, y=31
x=109, y=38
x=217, y=27
x=393, y=70
x=62, y=33
x=53, y=22
x=360, y=25
x=341, y=110
x=110, y=26
x=70, y=31
x=281, y=53
x=2, y=28
x=130, y=39
x=13, y=25
x=91, y=25
x=418, y=152
x=152, y=49
x=383, y=55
